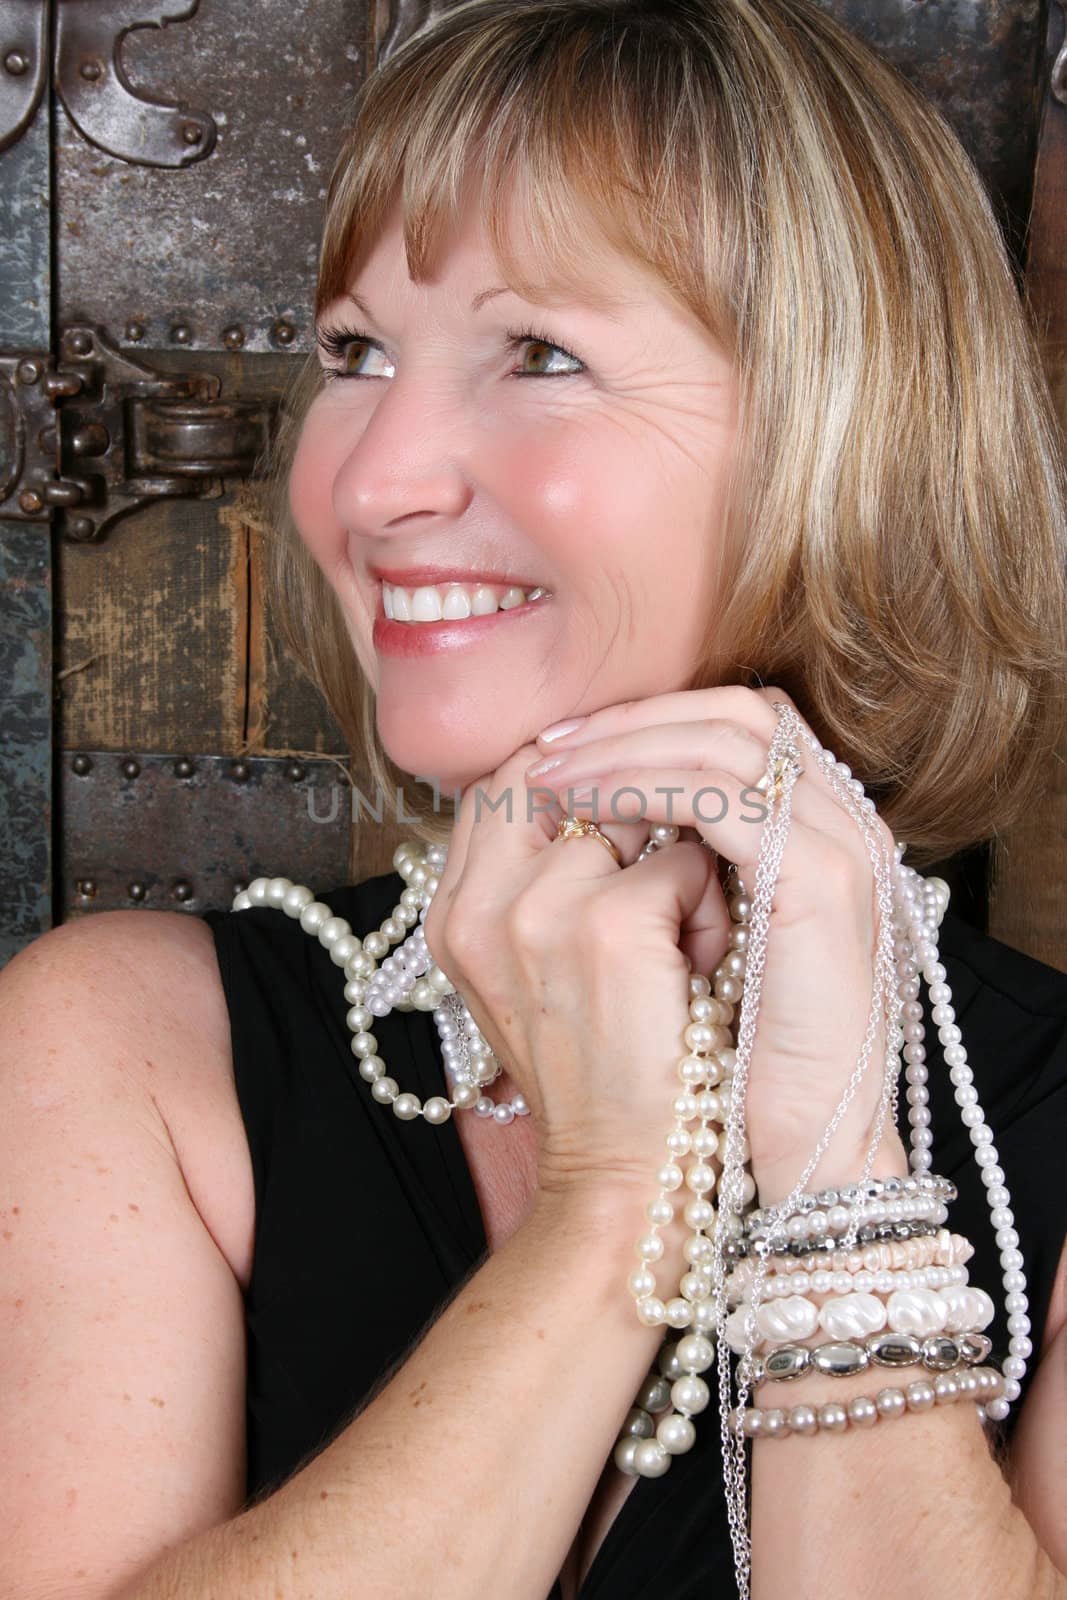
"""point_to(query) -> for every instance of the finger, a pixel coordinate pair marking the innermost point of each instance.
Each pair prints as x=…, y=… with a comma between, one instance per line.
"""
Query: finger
x=712, y=744
x=722, y=808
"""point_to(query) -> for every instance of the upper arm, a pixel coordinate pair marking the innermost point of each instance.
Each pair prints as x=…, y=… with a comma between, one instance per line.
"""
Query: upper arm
x=122, y=1353
x=1037, y=1466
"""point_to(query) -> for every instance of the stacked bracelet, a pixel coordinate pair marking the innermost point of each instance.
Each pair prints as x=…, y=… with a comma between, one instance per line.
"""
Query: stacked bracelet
x=979, y=1384
x=839, y=1358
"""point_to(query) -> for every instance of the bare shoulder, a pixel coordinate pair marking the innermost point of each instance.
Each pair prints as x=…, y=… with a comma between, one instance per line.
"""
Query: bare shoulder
x=141, y=991
x=125, y=1224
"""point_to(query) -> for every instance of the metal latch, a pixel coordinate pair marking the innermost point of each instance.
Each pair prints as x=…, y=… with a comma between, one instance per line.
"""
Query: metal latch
x=97, y=434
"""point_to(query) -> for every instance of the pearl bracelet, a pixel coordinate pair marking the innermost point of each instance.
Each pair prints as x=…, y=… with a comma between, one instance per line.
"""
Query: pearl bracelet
x=808, y=1284
x=979, y=1384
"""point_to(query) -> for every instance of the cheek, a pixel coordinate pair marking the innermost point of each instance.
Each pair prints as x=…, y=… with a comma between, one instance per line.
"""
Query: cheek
x=311, y=479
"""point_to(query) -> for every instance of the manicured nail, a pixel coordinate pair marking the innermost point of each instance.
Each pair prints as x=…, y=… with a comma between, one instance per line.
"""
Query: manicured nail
x=559, y=730
x=539, y=768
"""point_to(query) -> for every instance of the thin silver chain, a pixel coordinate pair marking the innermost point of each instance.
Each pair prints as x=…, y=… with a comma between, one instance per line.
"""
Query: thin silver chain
x=784, y=755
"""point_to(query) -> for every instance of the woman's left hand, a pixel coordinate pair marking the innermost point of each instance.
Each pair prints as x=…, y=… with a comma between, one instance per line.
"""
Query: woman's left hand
x=676, y=750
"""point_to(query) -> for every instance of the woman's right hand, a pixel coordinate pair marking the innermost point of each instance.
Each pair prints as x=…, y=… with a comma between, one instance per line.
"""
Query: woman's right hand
x=573, y=971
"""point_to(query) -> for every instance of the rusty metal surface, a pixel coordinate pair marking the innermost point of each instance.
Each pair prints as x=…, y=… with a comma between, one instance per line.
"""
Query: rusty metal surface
x=24, y=238
x=23, y=65
x=100, y=100
x=183, y=831
x=220, y=255
x=25, y=735
x=980, y=62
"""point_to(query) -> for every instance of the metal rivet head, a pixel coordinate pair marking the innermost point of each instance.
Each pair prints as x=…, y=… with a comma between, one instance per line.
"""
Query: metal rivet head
x=92, y=440
x=184, y=767
x=182, y=890
x=137, y=891
x=239, y=771
x=30, y=501
x=283, y=332
x=80, y=529
x=192, y=133
x=80, y=342
x=81, y=765
x=29, y=371
x=295, y=771
x=135, y=332
x=233, y=337
x=86, y=887
x=16, y=62
x=181, y=333
x=130, y=768
x=91, y=71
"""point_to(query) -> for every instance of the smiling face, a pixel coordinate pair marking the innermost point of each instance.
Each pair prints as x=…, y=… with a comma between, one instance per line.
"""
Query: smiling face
x=590, y=461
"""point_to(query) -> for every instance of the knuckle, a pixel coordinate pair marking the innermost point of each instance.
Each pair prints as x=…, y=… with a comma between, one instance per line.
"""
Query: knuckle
x=527, y=922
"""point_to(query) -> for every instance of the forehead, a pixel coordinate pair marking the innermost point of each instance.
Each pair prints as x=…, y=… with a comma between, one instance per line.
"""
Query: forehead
x=539, y=260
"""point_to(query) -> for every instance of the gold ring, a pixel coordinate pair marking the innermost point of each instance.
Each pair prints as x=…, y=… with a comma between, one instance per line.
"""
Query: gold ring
x=577, y=827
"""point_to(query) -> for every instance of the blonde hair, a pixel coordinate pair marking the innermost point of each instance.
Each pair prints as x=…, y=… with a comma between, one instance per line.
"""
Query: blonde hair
x=894, y=553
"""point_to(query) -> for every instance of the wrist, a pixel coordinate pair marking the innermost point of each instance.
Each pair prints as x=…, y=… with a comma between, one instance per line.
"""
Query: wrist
x=835, y=1168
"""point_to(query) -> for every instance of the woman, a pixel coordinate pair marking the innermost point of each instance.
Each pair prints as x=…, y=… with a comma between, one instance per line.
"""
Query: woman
x=782, y=445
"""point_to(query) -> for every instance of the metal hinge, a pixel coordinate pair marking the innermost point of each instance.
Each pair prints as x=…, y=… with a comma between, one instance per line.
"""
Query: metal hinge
x=96, y=434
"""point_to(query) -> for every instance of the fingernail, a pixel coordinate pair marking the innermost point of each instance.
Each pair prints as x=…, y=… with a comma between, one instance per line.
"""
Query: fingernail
x=538, y=768
x=559, y=730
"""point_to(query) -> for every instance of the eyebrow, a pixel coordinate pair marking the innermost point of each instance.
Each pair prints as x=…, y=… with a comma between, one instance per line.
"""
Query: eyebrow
x=598, y=299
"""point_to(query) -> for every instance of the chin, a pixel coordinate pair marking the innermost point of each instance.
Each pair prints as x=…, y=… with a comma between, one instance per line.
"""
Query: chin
x=431, y=756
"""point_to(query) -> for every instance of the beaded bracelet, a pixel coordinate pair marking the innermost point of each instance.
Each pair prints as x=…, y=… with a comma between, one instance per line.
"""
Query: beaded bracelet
x=839, y=1358
x=740, y=1248
x=837, y=1207
x=862, y=1411
x=809, y=1284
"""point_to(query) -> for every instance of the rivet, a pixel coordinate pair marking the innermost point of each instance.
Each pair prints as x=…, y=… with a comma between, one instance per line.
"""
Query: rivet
x=192, y=133
x=233, y=337
x=30, y=501
x=295, y=771
x=80, y=342
x=137, y=891
x=181, y=333
x=79, y=529
x=130, y=768
x=91, y=70
x=184, y=767
x=81, y=765
x=16, y=62
x=86, y=887
x=92, y=440
x=135, y=332
x=29, y=371
x=239, y=771
x=283, y=332
x=182, y=890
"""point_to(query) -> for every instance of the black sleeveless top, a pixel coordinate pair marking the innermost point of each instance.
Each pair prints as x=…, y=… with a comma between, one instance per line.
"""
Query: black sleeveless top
x=355, y=1209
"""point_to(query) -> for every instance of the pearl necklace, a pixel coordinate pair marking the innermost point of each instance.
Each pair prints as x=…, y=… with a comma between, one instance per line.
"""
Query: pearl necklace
x=713, y=1075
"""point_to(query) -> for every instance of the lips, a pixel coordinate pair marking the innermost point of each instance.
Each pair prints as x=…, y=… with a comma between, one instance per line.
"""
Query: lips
x=406, y=641
x=416, y=577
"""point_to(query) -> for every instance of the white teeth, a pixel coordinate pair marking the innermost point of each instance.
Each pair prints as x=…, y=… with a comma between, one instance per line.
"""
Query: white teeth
x=426, y=606
x=453, y=601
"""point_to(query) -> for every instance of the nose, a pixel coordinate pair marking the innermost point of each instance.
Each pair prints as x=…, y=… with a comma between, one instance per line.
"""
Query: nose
x=405, y=467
